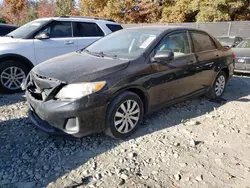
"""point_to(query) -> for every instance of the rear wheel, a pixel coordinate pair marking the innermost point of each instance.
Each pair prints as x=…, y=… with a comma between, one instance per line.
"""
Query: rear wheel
x=124, y=114
x=219, y=86
x=12, y=74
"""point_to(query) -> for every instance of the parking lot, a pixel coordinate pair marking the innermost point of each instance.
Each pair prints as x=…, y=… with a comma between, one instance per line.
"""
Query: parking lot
x=198, y=143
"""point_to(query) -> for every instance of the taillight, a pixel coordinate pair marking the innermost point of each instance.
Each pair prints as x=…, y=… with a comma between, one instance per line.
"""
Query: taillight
x=234, y=56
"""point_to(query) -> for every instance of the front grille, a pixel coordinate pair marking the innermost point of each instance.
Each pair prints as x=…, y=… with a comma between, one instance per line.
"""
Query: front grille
x=42, y=88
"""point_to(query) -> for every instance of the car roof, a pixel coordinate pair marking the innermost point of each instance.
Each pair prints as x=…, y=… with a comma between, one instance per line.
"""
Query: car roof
x=80, y=19
x=165, y=28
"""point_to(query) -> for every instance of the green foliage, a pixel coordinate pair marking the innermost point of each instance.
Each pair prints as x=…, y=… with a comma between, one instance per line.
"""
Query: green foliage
x=64, y=7
x=2, y=20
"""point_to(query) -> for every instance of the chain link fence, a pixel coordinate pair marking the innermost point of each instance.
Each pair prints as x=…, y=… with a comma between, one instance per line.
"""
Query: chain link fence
x=236, y=28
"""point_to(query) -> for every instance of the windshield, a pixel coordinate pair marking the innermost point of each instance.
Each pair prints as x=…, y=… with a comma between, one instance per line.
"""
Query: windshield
x=128, y=43
x=27, y=29
x=226, y=40
x=244, y=44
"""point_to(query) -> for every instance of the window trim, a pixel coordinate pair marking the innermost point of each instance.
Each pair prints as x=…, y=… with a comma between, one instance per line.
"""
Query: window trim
x=204, y=33
x=172, y=33
x=76, y=31
x=48, y=25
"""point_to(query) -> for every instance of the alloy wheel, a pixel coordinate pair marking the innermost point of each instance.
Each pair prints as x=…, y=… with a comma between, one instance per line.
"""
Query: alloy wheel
x=127, y=116
x=12, y=77
x=220, y=85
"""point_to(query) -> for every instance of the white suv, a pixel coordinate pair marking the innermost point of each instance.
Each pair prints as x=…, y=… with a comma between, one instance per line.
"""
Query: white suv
x=43, y=39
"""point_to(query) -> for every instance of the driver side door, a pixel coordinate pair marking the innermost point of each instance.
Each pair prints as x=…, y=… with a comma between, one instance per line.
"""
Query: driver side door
x=61, y=41
x=174, y=79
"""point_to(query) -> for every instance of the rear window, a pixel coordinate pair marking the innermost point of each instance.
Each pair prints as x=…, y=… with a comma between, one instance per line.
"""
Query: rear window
x=113, y=27
x=84, y=29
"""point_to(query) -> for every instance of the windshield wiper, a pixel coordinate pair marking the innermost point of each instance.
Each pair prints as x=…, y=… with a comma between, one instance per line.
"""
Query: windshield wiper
x=101, y=54
x=9, y=36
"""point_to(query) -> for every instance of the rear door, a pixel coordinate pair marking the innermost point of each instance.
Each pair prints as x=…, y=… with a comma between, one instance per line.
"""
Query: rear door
x=208, y=57
x=61, y=41
x=86, y=33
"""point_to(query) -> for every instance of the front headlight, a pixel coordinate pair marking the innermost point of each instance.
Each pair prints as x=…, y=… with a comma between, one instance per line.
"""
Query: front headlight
x=76, y=91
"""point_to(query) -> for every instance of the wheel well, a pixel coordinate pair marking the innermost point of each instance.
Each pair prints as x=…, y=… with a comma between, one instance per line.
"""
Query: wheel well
x=226, y=71
x=143, y=97
x=17, y=58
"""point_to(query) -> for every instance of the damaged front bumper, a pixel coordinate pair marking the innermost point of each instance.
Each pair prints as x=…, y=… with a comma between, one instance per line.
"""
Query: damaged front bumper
x=76, y=118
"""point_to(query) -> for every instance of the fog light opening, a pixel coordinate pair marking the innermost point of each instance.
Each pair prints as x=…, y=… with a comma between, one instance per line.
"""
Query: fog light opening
x=72, y=125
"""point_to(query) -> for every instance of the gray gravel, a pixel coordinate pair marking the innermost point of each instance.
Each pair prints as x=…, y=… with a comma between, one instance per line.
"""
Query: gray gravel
x=197, y=143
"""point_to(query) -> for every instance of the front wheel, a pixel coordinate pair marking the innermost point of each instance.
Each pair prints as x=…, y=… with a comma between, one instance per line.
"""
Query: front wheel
x=219, y=86
x=12, y=74
x=124, y=114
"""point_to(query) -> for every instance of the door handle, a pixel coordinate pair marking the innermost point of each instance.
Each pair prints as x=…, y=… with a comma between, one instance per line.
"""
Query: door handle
x=69, y=43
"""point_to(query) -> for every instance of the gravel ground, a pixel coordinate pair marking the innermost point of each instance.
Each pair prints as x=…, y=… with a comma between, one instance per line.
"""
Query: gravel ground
x=198, y=143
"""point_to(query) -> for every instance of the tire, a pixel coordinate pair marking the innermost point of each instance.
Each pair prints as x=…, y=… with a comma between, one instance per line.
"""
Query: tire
x=129, y=122
x=19, y=72
x=218, y=87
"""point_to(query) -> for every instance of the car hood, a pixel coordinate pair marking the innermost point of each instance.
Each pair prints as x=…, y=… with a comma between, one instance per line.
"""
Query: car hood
x=79, y=67
x=8, y=40
x=241, y=52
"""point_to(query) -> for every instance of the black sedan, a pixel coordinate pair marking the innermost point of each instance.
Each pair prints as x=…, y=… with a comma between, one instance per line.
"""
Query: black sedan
x=242, y=52
x=113, y=83
x=6, y=28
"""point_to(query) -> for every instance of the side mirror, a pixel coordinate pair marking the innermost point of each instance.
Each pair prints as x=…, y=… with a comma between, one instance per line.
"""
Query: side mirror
x=42, y=36
x=226, y=46
x=163, y=56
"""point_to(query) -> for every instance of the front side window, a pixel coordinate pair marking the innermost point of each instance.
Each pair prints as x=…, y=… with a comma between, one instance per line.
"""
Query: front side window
x=58, y=30
x=85, y=29
x=202, y=42
x=130, y=43
x=178, y=43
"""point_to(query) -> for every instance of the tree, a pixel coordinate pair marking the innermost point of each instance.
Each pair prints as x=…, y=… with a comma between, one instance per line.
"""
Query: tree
x=15, y=11
x=1, y=20
x=92, y=7
x=179, y=11
x=121, y=11
x=64, y=7
x=32, y=10
x=222, y=10
x=46, y=8
x=133, y=11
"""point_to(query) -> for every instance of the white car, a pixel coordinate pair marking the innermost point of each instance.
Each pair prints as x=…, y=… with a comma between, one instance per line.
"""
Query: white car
x=43, y=39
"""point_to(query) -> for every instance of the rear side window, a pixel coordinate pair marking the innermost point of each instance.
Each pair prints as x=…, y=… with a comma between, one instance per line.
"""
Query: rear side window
x=113, y=27
x=84, y=29
x=202, y=42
